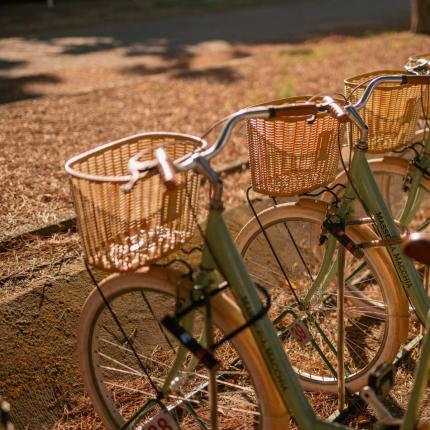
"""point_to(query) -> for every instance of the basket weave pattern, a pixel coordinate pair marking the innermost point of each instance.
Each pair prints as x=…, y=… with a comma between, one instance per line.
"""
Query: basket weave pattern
x=124, y=231
x=291, y=156
x=425, y=102
x=391, y=112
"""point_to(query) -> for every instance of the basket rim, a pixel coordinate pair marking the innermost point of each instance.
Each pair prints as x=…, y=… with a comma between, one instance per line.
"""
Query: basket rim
x=352, y=81
x=124, y=179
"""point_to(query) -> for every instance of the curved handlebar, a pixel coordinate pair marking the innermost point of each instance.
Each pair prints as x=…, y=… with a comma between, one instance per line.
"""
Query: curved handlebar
x=266, y=112
x=372, y=85
x=342, y=114
x=295, y=109
x=401, y=79
x=168, y=167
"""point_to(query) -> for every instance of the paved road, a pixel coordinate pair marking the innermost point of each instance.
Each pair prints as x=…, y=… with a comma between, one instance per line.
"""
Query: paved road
x=49, y=60
x=294, y=21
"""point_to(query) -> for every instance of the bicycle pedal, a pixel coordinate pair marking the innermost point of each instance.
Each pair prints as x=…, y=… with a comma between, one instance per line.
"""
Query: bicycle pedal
x=381, y=379
x=204, y=355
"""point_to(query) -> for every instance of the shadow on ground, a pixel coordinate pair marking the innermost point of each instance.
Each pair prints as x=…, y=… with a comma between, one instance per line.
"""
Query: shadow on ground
x=174, y=44
x=15, y=89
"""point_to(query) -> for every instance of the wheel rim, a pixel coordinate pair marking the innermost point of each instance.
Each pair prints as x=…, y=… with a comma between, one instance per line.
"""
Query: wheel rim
x=366, y=319
x=124, y=387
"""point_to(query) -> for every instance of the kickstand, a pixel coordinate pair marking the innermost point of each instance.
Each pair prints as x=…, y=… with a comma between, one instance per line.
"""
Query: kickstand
x=341, y=330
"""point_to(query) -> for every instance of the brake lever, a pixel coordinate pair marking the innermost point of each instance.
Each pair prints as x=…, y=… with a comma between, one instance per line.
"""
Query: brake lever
x=421, y=65
x=138, y=170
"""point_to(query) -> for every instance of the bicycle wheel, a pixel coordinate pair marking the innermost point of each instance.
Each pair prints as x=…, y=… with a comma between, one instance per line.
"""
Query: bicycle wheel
x=119, y=383
x=375, y=311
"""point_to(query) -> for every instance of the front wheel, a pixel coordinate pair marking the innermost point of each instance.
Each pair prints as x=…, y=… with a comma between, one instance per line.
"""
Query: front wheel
x=287, y=259
x=123, y=377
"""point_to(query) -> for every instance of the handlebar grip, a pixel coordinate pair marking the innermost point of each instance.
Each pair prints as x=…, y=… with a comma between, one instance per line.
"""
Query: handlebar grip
x=295, y=109
x=166, y=169
x=416, y=79
x=335, y=109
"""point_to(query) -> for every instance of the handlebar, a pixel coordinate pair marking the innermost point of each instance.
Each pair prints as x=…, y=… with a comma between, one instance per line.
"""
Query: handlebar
x=295, y=109
x=167, y=167
x=401, y=79
x=417, y=79
x=340, y=113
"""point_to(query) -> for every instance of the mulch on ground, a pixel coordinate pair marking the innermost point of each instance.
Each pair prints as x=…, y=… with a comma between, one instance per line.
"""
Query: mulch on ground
x=39, y=135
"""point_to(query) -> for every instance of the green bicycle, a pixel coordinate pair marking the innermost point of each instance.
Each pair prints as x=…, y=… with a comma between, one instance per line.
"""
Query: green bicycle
x=138, y=373
x=291, y=249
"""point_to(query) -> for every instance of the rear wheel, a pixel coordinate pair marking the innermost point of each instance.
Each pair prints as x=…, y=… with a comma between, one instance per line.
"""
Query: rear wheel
x=373, y=310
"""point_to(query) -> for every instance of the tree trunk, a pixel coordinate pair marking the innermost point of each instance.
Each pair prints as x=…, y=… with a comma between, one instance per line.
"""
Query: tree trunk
x=420, y=14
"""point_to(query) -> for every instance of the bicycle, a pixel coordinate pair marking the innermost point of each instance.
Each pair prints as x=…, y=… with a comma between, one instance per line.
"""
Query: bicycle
x=275, y=390
x=288, y=237
x=403, y=180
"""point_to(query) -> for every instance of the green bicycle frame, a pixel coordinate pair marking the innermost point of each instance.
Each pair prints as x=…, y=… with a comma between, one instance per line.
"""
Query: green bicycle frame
x=373, y=200
x=416, y=193
x=221, y=254
x=225, y=257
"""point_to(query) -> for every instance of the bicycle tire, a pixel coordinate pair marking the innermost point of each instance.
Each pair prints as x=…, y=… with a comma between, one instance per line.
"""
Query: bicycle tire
x=313, y=371
x=121, y=291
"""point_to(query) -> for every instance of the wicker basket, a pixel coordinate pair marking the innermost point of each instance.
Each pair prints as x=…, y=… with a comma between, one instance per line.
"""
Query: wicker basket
x=124, y=231
x=425, y=89
x=391, y=112
x=291, y=156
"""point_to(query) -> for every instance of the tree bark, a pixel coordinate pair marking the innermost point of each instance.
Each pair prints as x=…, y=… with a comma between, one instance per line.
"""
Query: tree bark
x=420, y=16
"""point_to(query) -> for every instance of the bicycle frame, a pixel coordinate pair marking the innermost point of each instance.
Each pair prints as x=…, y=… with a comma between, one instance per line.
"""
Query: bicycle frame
x=231, y=265
x=416, y=192
x=373, y=200
x=224, y=256
x=221, y=254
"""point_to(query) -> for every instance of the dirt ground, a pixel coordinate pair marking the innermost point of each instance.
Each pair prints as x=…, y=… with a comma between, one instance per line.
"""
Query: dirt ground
x=39, y=135
x=72, y=111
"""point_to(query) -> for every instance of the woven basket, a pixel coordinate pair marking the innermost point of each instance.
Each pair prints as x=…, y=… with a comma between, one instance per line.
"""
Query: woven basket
x=124, y=231
x=425, y=89
x=391, y=112
x=291, y=156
